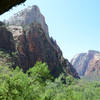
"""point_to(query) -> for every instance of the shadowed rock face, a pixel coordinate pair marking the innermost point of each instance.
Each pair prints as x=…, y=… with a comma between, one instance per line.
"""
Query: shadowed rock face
x=87, y=63
x=1, y=23
x=34, y=46
x=6, y=39
x=7, y=47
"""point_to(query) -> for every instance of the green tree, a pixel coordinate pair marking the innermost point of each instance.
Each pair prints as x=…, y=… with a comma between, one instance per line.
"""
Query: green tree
x=39, y=73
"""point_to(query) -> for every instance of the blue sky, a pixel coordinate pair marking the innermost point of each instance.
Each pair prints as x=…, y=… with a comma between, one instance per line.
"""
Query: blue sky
x=74, y=24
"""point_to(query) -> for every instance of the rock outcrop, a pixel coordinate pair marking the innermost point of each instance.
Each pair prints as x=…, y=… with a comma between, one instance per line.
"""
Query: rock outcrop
x=87, y=64
x=27, y=16
x=7, y=47
x=16, y=30
x=94, y=66
x=33, y=43
x=6, y=39
x=34, y=46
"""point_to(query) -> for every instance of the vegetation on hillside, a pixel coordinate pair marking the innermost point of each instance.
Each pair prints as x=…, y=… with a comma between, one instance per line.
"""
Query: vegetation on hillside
x=38, y=84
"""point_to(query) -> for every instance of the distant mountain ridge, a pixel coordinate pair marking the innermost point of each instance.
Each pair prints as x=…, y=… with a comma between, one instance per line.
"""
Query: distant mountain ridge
x=88, y=63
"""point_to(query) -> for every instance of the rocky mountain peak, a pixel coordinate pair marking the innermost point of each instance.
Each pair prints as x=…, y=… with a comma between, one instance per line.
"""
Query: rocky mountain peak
x=87, y=64
x=27, y=16
x=33, y=43
x=93, y=52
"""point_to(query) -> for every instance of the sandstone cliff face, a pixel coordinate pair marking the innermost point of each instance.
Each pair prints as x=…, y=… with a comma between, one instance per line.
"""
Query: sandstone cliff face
x=27, y=16
x=94, y=66
x=7, y=47
x=34, y=46
x=33, y=43
x=6, y=39
x=16, y=31
x=87, y=63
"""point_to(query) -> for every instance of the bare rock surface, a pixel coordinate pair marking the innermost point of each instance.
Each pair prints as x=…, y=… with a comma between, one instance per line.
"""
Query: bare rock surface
x=33, y=43
x=87, y=63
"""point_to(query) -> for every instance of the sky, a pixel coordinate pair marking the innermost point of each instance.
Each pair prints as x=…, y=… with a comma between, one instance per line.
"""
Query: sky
x=74, y=24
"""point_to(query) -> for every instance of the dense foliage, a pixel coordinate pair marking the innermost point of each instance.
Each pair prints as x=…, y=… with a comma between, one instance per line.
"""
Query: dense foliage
x=38, y=84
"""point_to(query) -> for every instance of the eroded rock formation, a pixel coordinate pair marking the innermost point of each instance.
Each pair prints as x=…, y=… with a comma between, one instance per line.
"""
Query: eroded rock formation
x=33, y=43
x=87, y=64
x=34, y=46
x=6, y=39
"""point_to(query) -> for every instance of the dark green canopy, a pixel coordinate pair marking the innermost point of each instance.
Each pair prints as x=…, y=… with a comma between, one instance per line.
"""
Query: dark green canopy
x=5, y=5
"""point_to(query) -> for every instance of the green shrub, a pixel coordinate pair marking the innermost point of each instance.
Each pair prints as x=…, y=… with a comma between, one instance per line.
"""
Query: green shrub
x=38, y=84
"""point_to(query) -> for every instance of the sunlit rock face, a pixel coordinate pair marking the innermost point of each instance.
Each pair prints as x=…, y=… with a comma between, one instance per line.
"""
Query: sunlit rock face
x=27, y=16
x=33, y=43
x=87, y=63
x=94, y=65
x=16, y=31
